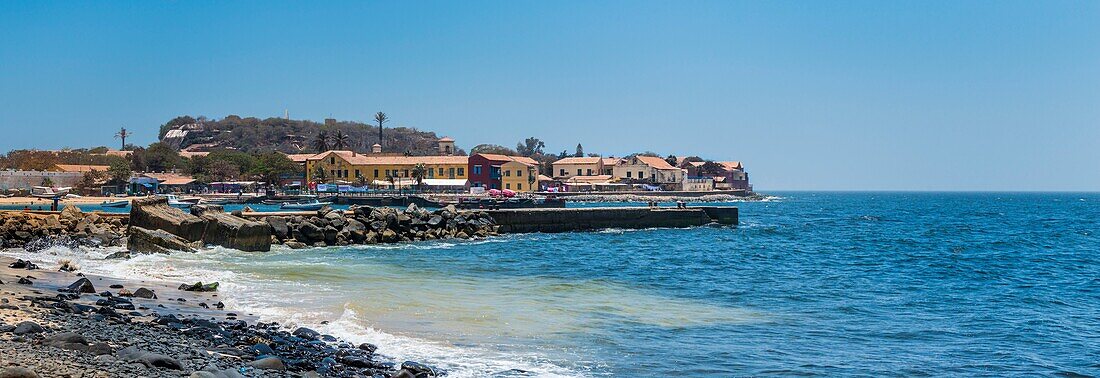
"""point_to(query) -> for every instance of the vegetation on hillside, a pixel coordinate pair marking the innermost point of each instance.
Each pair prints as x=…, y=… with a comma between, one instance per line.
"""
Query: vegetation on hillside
x=299, y=136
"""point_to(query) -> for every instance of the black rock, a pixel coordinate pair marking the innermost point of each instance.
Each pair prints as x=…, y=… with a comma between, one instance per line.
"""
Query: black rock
x=145, y=293
x=82, y=285
x=24, y=281
x=21, y=264
x=26, y=327
x=198, y=286
x=306, y=333
x=262, y=350
x=149, y=359
x=115, y=286
x=418, y=369
x=370, y=348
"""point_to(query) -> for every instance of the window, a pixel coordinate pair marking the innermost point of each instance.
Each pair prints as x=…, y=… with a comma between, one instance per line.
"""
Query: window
x=406, y=173
x=477, y=169
x=332, y=172
x=375, y=173
x=461, y=171
x=357, y=174
x=440, y=171
x=332, y=160
x=627, y=174
x=641, y=174
x=519, y=173
x=508, y=173
x=507, y=186
x=590, y=172
x=578, y=171
x=561, y=172
x=519, y=186
x=451, y=172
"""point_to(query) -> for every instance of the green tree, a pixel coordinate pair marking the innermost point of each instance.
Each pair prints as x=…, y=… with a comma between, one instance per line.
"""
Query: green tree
x=340, y=141
x=119, y=172
x=492, y=149
x=46, y=181
x=530, y=147
x=90, y=181
x=419, y=172
x=271, y=166
x=320, y=142
x=671, y=159
x=160, y=157
x=580, y=151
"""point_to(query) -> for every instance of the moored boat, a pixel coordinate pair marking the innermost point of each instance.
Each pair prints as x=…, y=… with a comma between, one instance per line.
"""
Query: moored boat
x=312, y=204
x=118, y=203
x=49, y=192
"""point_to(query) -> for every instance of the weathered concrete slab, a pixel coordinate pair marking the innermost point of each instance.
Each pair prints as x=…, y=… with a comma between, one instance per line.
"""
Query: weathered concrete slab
x=155, y=214
x=583, y=219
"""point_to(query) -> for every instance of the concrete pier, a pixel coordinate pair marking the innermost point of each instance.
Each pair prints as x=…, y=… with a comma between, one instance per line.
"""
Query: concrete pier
x=583, y=219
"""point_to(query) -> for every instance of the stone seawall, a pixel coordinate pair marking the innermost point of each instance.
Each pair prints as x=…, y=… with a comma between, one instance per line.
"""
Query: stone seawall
x=566, y=220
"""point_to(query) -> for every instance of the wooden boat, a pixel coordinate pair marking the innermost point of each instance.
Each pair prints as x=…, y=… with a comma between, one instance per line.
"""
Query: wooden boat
x=118, y=203
x=49, y=192
x=176, y=201
x=312, y=204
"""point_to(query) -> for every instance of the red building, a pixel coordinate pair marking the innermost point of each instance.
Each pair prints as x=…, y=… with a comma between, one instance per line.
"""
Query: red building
x=484, y=169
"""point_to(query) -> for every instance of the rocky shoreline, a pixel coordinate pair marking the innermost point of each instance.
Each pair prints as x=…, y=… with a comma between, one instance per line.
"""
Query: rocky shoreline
x=60, y=323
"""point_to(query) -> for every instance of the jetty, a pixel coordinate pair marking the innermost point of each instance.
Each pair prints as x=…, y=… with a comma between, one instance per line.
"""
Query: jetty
x=552, y=220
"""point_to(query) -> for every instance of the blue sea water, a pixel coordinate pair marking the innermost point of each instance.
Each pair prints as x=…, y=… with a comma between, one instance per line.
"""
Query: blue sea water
x=825, y=284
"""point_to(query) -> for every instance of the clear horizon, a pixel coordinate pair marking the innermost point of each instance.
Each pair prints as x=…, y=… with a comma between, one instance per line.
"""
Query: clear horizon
x=839, y=96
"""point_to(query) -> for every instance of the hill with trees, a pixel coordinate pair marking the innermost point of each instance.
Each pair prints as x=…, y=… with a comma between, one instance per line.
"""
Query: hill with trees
x=292, y=136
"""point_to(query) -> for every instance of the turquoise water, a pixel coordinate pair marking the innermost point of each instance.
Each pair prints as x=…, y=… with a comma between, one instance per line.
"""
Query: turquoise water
x=809, y=284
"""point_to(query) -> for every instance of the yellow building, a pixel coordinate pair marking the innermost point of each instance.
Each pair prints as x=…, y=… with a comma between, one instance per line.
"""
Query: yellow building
x=519, y=176
x=352, y=167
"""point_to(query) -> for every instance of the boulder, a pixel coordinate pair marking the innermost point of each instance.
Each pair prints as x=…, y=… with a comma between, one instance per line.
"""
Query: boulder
x=81, y=286
x=278, y=227
x=149, y=359
x=198, y=286
x=155, y=214
x=269, y=363
x=145, y=293
x=71, y=214
x=27, y=327
x=235, y=232
x=143, y=240
x=17, y=372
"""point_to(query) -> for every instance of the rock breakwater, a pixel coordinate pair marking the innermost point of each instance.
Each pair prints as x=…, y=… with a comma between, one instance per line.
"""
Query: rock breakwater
x=372, y=225
x=71, y=227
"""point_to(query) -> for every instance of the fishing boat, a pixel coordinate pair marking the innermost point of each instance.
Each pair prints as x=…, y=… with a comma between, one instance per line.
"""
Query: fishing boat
x=176, y=201
x=310, y=204
x=118, y=203
x=205, y=201
x=49, y=192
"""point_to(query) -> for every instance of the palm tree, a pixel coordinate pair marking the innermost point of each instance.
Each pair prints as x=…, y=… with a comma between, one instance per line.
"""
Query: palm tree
x=418, y=173
x=321, y=141
x=122, y=134
x=380, y=118
x=340, y=140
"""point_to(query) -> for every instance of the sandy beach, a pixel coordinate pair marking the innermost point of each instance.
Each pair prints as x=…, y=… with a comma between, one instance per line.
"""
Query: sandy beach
x=57, y=324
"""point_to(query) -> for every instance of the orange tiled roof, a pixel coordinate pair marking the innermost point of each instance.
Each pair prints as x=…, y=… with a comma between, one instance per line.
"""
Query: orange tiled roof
x=170, y=178
x=82, y=168
x=579, y=160
x=655, y=162
x=521, y=159
x=736, y=165
x=369, y=159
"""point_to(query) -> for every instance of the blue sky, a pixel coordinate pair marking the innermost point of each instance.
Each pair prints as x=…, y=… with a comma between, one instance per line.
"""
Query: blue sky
x=874, y=95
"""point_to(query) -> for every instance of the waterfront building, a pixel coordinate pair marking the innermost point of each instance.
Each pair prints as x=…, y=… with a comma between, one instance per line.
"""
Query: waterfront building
x=519, y=176
x=578, y=166
x=485, y=169
x=649, y=170
x=378, y=169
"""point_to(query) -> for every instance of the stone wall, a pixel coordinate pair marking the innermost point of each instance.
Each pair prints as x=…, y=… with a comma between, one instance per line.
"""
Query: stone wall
x=565, y=220
x=26, y=179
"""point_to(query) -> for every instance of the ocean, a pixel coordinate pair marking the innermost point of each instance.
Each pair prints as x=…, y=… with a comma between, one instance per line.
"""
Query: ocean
x=810, y=283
